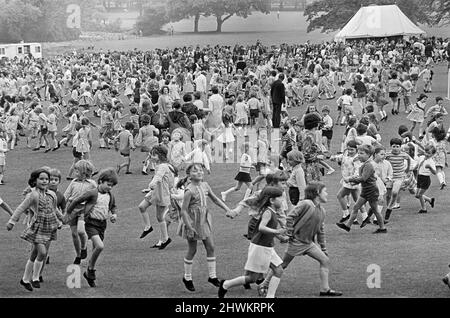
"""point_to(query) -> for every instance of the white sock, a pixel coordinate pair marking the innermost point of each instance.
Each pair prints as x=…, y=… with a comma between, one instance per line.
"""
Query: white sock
x=238, y=281
x=163, y=232
x=273, y=286
x=345, y=213
x=28, y=271
x=247, y=194
x=364, y=215
x=440, y=177
x=212, y=267
x=381, y=114
x=268, y=278
x=37, y=270
x=188, y=269
x=102, y=143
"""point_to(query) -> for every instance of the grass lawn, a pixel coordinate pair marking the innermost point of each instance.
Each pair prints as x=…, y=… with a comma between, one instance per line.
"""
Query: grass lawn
x=413, y=256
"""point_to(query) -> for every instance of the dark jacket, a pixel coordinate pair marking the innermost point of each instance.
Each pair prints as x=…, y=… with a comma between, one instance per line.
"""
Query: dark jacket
x=278, y=92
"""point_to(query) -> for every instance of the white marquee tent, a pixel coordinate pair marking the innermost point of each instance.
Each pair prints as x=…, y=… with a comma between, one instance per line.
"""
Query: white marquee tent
x=378, y=22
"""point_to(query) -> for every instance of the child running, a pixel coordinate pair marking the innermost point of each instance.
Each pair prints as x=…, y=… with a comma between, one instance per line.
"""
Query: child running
x=99, y=207
x=369, y=190
x=261, y=253
x=426, y=167
x=42, y=225
x=196, y=224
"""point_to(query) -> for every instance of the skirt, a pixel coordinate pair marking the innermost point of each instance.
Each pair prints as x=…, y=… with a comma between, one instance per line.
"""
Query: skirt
x=226, y=137
x=42, y=230
x=417, y=116
x=243, y=177
x=260, y=257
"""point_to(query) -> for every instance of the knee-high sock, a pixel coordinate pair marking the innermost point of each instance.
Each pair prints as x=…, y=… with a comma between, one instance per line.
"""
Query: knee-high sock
x=212, y=267
x=164, y=236
x=37, y=269
x=273, y=286
x=234, y=282
x=441, y=177
x=188, y=269
x=268, y=278
x=28, y=271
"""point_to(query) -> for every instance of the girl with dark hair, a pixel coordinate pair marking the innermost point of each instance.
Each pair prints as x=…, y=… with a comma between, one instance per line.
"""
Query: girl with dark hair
x=42, y=224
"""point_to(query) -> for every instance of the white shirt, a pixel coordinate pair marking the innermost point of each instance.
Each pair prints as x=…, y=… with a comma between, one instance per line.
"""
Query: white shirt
x=200, y=82
x=423, y=170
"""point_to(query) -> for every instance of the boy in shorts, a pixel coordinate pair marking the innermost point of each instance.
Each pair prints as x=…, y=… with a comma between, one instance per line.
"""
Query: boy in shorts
x=99, y=206
x=401, y=163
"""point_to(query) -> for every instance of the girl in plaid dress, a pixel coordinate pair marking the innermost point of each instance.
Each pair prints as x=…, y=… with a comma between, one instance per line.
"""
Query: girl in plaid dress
x=41, y=227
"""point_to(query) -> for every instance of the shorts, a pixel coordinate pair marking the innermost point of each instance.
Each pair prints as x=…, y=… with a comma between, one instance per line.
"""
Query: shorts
x=76, y=154
x=43, y=130
x=370, y=194
x=328, y=134
x=423, y=182
x=294, y=195
x=415, y=77
x=393, y=94
x=300, y=249
x=95, y=227
x=260, y=257
x=254, y=113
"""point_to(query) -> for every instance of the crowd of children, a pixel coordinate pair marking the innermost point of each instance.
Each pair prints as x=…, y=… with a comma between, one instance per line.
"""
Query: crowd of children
x=179, y=137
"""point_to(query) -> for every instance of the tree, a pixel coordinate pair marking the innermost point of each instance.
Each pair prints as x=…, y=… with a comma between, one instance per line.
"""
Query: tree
x=153, y=19
x=332, y=15
x=438, y=10
x=182, y=9
x=223, y=10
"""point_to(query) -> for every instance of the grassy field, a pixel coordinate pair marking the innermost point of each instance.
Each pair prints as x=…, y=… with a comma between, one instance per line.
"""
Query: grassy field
x=290, y=28
x=413, y=256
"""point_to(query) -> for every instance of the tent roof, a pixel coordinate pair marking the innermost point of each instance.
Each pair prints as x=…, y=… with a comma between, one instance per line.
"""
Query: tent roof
x=378, y=21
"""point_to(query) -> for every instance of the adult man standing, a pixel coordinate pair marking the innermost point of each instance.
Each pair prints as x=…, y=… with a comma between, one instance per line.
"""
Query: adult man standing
x=278, y=95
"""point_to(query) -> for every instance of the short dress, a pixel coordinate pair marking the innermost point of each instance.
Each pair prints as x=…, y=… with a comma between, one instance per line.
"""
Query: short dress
x=439, y=157
x=227, y=136
x=244, y=170
x=44, y=224
x=198, y=213
x=417, y=114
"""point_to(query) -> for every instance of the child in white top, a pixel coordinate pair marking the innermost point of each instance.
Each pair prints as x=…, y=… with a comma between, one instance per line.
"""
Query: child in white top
x=244, y=174
x=199, y=156
x=177, y=151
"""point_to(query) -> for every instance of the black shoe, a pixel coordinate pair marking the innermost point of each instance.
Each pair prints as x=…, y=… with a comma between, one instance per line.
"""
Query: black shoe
x=43, y=147
x=26, y=285
x=41, y=280
x=247, y=286
x=69, y=179
x=48, y=260
x=144, y=173
x=147, y=232
x=446, y=281
x=214, y=281
x=343, y=226
x=443, y=186
x=90, y=277
x=343, y=220
x=423, y=212
x=392, y=112
x=222, y=291
x=189, y=284
x=330, y=293
x=433, y=200
x=164, y=245
x=355, y=222
x=156, y=245
x=128, y=172
x=47, y=150
x=83, y=254
x=380, y=231
x=95, y=173
x=387, y=216
x=365, y=222
x=35, y=284
x=36, y=149
x=77, y=261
